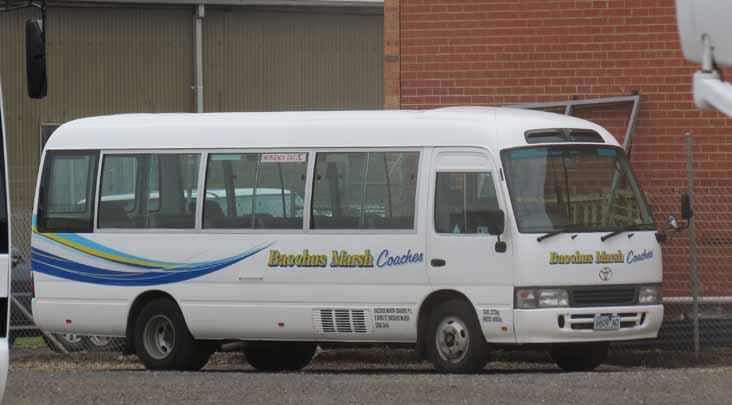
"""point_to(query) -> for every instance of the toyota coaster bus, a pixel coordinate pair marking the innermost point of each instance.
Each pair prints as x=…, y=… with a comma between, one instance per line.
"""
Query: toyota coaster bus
x=458, y=230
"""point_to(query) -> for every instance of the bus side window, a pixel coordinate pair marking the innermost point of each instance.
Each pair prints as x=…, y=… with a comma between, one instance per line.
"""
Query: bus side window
x=364, y=190
x=255, y=191
x=67, y=192
x=133, y=195
x=465, y=203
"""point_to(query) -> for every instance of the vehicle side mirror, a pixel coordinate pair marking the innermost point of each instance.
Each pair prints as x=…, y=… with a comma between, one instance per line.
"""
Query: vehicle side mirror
x=35, y=59
x=498, y=223
x=672, y=223
x=686, y=210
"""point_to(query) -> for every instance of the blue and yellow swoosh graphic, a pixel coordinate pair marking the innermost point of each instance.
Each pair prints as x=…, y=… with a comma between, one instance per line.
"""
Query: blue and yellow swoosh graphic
x=140, y=271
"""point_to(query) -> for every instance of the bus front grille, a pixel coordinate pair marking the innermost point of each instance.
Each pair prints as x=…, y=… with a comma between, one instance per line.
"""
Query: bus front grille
x=603, y=297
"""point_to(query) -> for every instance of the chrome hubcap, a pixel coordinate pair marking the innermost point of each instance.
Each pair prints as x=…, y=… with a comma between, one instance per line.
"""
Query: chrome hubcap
x=159, y=337
x=452, y=340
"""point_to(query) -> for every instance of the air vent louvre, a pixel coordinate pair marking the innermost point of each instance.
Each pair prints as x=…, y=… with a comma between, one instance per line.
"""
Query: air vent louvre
x=359, y=321
x=342, y=321
x=326, y=317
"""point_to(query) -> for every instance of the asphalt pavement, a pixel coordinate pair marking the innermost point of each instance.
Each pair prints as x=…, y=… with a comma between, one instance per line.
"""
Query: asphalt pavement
x=343, y=379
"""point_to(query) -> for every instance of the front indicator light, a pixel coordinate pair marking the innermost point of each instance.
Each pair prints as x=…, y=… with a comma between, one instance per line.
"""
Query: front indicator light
x=525, y=298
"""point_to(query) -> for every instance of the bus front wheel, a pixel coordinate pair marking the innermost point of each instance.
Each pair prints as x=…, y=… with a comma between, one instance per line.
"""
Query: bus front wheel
x=580, y=356
x=280, y=356
x=455, y=343
x=162, y=339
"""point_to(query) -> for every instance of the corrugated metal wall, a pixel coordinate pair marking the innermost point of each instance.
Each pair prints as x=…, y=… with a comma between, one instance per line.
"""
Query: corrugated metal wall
x=260, y=60
x=105, y=60
x=100, y=61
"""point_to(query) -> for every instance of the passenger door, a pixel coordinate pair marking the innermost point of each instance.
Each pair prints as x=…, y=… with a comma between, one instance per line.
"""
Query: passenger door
x=462, y=255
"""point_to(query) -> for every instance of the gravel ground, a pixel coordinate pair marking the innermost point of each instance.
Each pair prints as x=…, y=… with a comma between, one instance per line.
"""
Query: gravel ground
x=371, y=376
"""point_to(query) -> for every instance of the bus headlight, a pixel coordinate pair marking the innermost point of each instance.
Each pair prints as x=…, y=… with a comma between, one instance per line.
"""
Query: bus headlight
x=650, y=295
x=528, y=298
x=553, y=298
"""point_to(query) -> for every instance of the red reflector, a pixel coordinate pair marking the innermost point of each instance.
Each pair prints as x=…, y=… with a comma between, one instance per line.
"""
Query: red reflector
x=68, y=321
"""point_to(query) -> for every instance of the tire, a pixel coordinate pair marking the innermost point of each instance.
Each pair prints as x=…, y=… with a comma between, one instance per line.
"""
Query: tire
x=280, y=356
x=581, y=356
x=455, y=342
x=162, y=339
x=202, y=352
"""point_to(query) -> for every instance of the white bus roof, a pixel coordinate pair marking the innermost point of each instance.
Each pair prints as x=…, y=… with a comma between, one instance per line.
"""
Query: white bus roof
x=495, y=128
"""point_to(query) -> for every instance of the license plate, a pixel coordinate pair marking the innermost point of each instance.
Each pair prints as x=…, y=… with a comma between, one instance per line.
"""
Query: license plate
x=606, y=322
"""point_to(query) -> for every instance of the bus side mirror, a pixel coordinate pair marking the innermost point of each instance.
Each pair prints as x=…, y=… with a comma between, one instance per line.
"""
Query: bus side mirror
x=498, y=224
x=35, y=59
x=686, y=210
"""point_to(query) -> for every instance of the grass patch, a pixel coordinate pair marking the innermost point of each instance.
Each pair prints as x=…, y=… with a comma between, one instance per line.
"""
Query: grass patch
x=35, y=342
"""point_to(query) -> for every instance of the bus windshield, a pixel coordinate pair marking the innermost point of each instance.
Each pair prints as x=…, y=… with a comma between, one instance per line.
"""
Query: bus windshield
x=579, y=188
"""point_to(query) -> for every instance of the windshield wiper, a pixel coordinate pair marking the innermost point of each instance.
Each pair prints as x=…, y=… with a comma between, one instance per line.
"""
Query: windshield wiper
x=550, y=234
x=614, y=233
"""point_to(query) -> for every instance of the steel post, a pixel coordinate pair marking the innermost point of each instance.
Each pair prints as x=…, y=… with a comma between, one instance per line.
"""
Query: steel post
x=692, y=247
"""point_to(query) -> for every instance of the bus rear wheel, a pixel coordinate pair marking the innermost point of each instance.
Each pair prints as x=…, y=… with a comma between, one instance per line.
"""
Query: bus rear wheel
x=580, y=356
x=455, y=343
x=162, y=339
x=280, y=356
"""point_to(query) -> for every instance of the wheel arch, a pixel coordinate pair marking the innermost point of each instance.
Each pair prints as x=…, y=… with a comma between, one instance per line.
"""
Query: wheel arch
x=435, y=298
x=137, y=304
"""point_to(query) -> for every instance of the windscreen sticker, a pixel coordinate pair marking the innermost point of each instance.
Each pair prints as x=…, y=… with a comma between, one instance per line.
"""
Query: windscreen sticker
x=343, y=258
x=284, y=157
x=600, y=257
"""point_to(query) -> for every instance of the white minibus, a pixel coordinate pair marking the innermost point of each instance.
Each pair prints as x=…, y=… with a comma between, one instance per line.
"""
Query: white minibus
x=458, y=231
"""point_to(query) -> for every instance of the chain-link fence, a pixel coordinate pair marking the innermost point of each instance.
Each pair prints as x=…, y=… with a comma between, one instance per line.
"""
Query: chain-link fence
x=698, y=259
x=23, y=331
x=706, y=325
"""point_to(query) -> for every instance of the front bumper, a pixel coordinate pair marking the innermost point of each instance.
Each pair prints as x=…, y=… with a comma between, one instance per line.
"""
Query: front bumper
x=545, y=325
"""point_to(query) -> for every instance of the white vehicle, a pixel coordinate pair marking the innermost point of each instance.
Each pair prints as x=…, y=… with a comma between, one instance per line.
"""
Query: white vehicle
x=5, y=259
x=459, y=230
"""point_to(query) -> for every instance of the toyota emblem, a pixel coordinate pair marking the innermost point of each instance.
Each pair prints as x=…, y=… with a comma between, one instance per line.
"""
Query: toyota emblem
x=605, y=274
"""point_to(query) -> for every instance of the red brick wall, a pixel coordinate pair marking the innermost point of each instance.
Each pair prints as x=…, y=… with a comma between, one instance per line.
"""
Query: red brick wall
x=497, y=52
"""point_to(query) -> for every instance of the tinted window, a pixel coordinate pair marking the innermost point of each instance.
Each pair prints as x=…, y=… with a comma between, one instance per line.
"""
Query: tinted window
x=364, y=190
x=133, y=195
x=465, y=203
x=574, y=187
x=255, y=191
x=67, y=191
